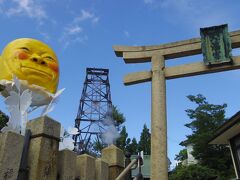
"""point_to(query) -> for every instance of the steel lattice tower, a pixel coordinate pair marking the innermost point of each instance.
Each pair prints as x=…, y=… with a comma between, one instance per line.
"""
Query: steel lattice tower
x=95, y=105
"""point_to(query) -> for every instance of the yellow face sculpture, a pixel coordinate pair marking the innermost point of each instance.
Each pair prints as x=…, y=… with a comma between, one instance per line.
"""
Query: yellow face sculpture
x=31, y=60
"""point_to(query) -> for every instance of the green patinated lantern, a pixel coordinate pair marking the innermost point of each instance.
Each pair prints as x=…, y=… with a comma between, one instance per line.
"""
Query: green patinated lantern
x=216, y=45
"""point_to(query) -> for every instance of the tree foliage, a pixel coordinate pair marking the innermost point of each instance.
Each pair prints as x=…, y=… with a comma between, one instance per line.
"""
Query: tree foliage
x=182, y=155
x=96, y=149
x=126, y=144
x=145, y=141
x=192, y=172
x=132, y=147
x=206, y=118
x=3, y=119
x=118, y=117
x=123, y=141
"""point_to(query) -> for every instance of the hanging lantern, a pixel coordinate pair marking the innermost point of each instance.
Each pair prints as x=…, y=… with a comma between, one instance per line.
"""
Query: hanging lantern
x=216, y=45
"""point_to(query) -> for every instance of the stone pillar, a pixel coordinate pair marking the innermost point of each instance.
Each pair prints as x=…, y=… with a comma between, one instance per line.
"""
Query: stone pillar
x=85, y=169
x=159, y=162
x=11, y=146
x=66, y=165
x=43, y=149
x=115, y=159
x=101, y=169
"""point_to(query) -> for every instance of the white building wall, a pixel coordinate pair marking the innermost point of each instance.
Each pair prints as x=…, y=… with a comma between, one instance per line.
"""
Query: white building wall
x=191, y=159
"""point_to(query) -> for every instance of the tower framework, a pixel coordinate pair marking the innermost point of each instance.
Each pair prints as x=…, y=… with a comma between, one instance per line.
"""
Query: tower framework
x=95, y=106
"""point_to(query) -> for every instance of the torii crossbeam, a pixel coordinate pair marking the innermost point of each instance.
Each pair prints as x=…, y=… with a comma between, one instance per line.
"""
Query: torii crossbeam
x=158, y=76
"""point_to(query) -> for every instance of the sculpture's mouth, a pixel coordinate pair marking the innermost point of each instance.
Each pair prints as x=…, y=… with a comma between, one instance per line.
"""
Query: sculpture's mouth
x=39, y=72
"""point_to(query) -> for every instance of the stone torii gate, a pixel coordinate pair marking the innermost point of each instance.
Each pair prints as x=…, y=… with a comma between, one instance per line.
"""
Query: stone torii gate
x=158, y=76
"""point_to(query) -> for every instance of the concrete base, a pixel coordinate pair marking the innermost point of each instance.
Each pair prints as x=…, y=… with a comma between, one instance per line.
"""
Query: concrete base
x=115, y=159
x=43, y=149
x=11, y=146
x=101, y=169
x=85, y=167
x=66, y=165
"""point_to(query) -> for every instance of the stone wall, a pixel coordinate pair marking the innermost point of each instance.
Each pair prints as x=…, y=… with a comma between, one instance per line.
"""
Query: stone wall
x=45, y=162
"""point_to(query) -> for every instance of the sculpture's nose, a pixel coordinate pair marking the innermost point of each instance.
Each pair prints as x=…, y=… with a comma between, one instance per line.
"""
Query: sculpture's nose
x=38, y=60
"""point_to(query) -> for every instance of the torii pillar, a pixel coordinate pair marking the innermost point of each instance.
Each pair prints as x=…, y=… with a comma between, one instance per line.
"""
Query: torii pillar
x=158, y=120
x=158, y=76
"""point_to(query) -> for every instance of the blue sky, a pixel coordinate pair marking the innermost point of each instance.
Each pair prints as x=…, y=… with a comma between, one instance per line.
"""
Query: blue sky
x=82, y=34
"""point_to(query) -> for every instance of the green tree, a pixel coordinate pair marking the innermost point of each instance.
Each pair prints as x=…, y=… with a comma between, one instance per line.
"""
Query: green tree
x=206, y=118
x=192, y=172
x=118, y=117
x=123, y=141
x=3, y=119
x=132, y=148
x=145, y=141
x=181, y=156
x=96, y=149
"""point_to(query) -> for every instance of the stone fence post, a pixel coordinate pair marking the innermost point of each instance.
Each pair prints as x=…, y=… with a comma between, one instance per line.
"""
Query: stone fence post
x=66, y=165
x=85, y=169
x=43, y=148
x=11, y=147
x=101, y=169
x=115, y=159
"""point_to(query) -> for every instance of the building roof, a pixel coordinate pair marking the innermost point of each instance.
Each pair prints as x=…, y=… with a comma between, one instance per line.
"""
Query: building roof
x=227, y=130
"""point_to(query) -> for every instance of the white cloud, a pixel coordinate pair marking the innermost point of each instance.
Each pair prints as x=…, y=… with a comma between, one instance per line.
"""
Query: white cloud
x=70, y=34
x=148, y=1
x=32, y=9
x=28, y=8
x=86, y=15
x=73, y=32
x=45, y=36
x=95, y=19
x=126, y=33
x=81, y=39
x=68, y=41
x=194, y=13
x=1, y=2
